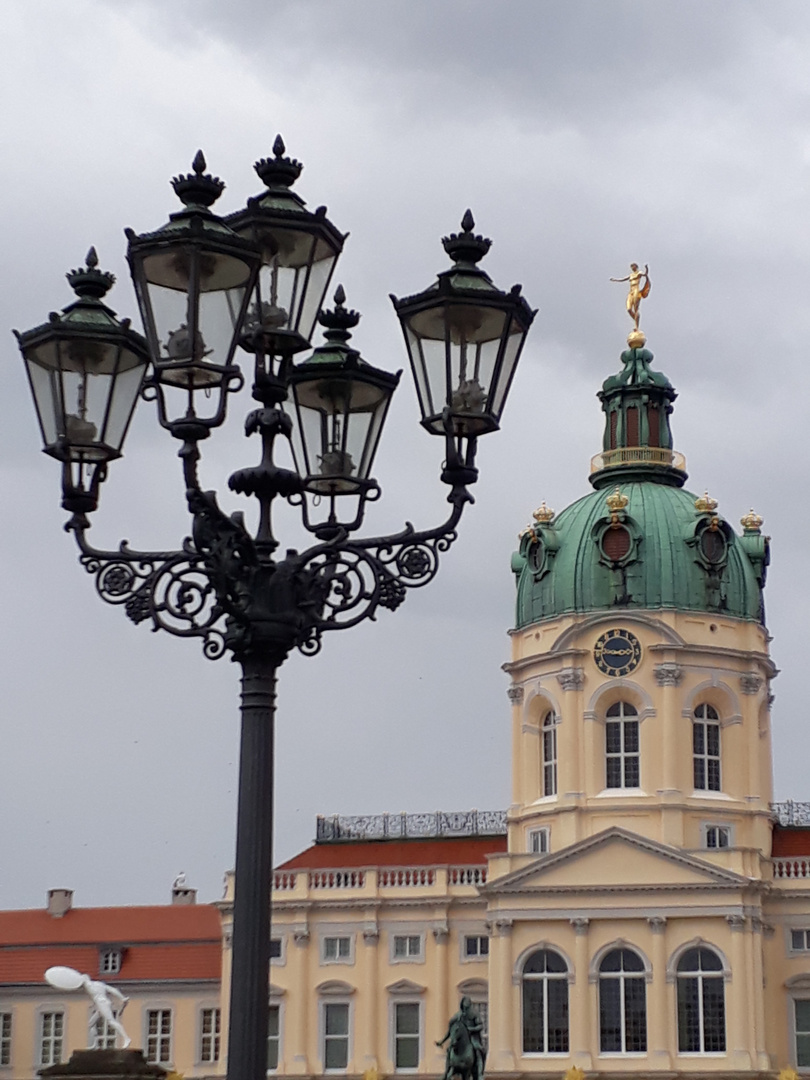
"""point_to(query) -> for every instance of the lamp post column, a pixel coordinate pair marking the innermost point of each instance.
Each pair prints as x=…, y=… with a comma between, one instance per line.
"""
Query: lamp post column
x=250, y=974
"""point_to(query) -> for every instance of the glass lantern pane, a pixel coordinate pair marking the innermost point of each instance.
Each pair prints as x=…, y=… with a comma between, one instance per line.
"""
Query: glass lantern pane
x=124, y=399
x=511, y=354
x=312, y=300
x=88, y=370
x=427, y=357
x=47, y=395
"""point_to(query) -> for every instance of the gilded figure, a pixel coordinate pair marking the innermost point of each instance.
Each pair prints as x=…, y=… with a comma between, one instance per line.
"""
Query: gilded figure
x=637, y=291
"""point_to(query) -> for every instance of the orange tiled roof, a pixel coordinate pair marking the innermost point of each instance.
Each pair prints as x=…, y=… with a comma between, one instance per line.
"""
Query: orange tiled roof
x=448, y=851
x=790, y=840
x=157, y=943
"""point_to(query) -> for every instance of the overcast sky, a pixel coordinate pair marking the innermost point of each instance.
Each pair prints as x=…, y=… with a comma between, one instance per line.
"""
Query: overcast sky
x=583, y=136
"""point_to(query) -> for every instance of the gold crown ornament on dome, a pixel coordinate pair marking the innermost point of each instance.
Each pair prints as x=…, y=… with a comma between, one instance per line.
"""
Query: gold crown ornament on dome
x=616, y=501
x=752, y=522
x=706, y=504
x=543, y=514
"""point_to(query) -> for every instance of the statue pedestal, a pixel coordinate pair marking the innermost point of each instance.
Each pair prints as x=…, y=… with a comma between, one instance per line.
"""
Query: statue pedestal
x=105, y=1065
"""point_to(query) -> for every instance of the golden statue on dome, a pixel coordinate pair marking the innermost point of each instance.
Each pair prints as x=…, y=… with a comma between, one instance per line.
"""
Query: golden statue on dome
x=637, y=292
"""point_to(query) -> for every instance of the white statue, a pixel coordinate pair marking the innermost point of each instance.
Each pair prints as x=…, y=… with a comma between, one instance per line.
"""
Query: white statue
x=65, y=978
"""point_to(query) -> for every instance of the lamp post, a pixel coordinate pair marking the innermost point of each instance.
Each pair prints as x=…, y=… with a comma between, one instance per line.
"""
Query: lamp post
x=257, y=280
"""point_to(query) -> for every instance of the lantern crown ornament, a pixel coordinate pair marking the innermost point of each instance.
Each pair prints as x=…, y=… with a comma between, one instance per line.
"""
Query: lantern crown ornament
x=299, y=249
x=464, y=338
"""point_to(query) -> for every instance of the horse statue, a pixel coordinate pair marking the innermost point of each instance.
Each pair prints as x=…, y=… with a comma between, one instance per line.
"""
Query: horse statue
x=466, y=1055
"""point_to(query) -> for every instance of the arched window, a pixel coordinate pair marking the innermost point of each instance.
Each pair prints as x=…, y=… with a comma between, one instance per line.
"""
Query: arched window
x=622, y=1003
x=545, y=1004
x=550, y=754
x=701, y=1003
x=622, y=767
x=706, y=748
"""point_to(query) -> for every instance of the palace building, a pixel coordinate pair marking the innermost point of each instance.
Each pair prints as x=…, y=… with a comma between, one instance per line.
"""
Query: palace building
x=639, y=909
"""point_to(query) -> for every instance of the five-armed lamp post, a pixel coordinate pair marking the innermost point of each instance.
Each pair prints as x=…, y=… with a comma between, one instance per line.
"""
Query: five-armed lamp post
x=257, y=280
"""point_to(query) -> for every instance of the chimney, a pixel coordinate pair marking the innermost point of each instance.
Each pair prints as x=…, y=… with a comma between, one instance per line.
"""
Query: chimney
x=60, y=901
x=181, y=893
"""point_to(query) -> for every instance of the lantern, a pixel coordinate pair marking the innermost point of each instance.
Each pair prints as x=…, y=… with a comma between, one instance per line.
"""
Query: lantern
x=299, y=250
x=464, y=338
x=338, y=408
x=193, y=278
x=85, y=369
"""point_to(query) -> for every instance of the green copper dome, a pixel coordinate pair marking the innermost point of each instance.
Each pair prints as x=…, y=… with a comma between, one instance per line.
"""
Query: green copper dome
x=640, y=540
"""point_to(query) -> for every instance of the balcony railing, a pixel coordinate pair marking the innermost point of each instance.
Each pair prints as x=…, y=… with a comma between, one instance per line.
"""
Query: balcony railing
x=383, y=877
x=795, y=867
x=406, y=877
x=329, y=830
x=638, y=455
x=791, y=814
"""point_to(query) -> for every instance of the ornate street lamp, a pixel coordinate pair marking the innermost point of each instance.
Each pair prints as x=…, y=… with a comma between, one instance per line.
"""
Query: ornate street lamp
x=257, y=280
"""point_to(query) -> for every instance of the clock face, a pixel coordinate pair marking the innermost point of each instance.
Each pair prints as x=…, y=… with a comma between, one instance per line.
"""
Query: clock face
x=617, y=652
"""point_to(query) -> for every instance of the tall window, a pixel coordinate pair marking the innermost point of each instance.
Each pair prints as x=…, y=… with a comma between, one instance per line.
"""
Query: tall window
x=51, y=1035
x=406, y=1035
x=273, y=1037
x=802, y=1026
x=550, y=754
x=706, y=748
x=622, y=747
x=545, y=1004
x=158, y=1036
x=622, y=1004
x=102, y=1035
x=5, y=1038
x=701, y=1003
x=210, y=1020
x=335, y=1035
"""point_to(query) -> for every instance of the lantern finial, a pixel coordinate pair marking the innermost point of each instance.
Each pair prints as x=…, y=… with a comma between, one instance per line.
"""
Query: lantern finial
x=198, y=188
x=339, y=321
x=88, y=280
x=465, y=248
x=279, y=171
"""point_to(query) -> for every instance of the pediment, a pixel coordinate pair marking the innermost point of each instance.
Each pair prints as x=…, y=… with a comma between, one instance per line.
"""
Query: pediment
x=615, y=859
x=473, y=986
x=405, y=986
x=334, y=987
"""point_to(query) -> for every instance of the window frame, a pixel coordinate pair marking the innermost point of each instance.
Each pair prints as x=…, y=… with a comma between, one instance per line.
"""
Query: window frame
x=50, y=1010
x=703, y=722
x=408, y=958
x=324, y=1004
x=281, y=959
x=6, y=1040
x=798, y=950
x=158, y=1008
x=545, y=977
x=543, y=833
x=622, y=977
x=720, y=975
x=348, y=958
x=625, y=721
x=276, y=1003
x=478, y=956
x=408, y=1000
x=549, y=747
x=721, y=827
x=215, y=1036
x=110, y=960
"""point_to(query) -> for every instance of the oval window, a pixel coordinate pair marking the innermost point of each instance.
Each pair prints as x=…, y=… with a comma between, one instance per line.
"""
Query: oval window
x=616, y=542
x=537, y=556
x=713, y=546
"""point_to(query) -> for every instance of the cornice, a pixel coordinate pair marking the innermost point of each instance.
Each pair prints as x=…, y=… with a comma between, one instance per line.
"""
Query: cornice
x=512, y=666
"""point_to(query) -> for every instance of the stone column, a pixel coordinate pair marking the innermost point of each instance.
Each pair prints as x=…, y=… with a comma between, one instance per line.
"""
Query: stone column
x=440, y=1013
x=515, y=694
x=502, y=997
x=673, y=727
x=570, y=744
x=738, y=994
x=660, y=1031
x=582, y=1037
x=297, y=1026
x=369, y=1048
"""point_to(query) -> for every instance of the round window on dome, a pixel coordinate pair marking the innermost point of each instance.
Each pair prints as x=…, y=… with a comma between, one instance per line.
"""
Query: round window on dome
x=713, y=546
x=616, y=542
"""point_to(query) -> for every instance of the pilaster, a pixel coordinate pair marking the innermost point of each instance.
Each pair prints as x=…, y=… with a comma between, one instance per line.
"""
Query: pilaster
x=502, y=997
x=582, y=1047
